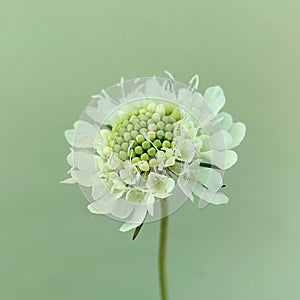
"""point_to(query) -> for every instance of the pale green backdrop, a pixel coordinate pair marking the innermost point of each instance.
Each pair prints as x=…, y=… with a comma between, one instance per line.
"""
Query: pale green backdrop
x=55, y=54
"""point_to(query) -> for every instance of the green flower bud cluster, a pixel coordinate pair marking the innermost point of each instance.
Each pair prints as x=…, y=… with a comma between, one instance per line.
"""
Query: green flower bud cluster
x=143, y=132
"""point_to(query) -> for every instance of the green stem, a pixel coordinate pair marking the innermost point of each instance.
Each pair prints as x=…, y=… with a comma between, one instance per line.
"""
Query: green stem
x=162, y=251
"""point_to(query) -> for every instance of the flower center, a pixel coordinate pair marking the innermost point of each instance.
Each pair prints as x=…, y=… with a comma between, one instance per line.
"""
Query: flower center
x=145, y=133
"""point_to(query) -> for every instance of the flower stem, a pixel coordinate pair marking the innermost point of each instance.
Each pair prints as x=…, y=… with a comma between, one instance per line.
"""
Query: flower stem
x=162, y=250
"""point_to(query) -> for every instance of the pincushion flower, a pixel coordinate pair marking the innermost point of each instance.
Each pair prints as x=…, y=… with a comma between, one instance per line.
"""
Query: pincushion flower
x=149, y=140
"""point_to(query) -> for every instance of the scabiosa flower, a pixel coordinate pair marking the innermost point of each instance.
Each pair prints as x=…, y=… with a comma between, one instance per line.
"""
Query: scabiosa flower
x=149, y=140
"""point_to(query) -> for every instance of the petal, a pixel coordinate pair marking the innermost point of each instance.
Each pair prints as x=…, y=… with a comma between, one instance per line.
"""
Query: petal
x=210, y=178
x=170, y=161
x=225, y=120
x=122, y=209
x=82, y=160
x=187, y=185
x=69, y=135
x=153, y=88
x=203, y=193
x=150, y=207
x=99, y=189
x=222, y=159
x=209, y=197
x=205, y=142
x=160, y=185
x=137, y=196
x=83, y=136
x=69, y=181
x=184, y=96
x=220, y=140
x=101, y=206
x=169, y=184
x=135, y=95
x=96, y=114
x=84, y=178
x=99, y=114
x=187, y=181
x=137, y=219
x=237, y=131
x=185, y=150
x=215, y=97
x=220, y=198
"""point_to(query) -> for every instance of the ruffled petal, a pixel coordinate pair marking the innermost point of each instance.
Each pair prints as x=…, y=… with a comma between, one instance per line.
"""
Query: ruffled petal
x=82, y=160
x=210, y=178
x=102, y=206
x=185, y=150
x=137, y=218
x=154, y=89
x=225, y=120
x=122, y=209
x=83, y=136
x=222, y=159
x=187, y=181
x=69, y=181
x=99, y=189
x=220, y=198
x=220, y=140
x=203, y=193
x=215, y=98
x=159, y=185
x=209, y=197
x=84, y=178
x=237, y=131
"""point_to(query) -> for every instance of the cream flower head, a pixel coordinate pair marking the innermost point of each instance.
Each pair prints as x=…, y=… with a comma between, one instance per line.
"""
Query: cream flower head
x=148, y=139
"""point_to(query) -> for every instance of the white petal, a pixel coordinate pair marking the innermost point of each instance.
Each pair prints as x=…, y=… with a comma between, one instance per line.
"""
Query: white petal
x=82, y=160
x=137, y=219
x=170, y=161
x=220, y=140
x=69, y=134
x=215, y=97
x=101, y=206
x=104, y=108
x=184, y=96
x=220, y=198
x=237, y=131
x=222, y=159
x=136, y=196
x=150, y=208
x=96, y=114
x=160, y=185
x=135, y=95
x=209, y=197
x=186, y=186
x=122, y=209
x=99, y=189
x=187, y=181
x=83, y=136
x=203, y=193
x=153, y=88
x=84, y=178
x=198, y=102
x=185, y=150
x=69, y=181
x=210, y=178
x=225, y=120
x=205, y=142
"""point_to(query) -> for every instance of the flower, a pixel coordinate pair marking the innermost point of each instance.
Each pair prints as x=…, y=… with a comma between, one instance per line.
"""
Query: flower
x=147, y=139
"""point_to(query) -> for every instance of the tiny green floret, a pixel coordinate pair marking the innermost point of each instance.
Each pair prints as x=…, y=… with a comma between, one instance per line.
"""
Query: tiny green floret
x=143, y=136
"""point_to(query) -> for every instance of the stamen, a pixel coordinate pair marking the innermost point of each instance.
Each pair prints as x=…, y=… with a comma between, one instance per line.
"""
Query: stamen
x=171, y=80
x=122, y=87
x=194, y=82
x=147, y=138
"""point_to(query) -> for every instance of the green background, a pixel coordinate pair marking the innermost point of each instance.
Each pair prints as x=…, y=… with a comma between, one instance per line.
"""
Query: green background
x=55, y=55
